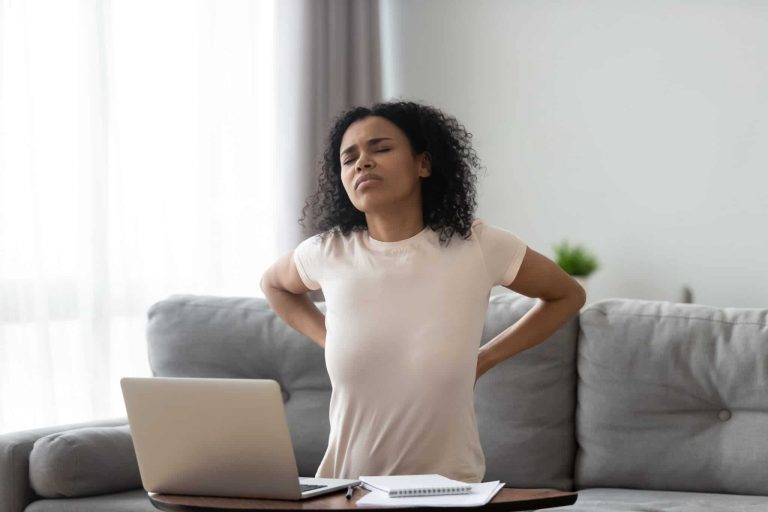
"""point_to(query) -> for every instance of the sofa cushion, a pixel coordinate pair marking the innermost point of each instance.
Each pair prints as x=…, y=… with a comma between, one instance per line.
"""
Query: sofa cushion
x=233, y=337
x=633, y=500
x=84, y=462
x=672, y=397
x=15, y=447
x=525, y=406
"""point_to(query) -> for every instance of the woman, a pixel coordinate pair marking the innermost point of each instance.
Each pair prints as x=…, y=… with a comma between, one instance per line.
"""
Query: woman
x=406, y=271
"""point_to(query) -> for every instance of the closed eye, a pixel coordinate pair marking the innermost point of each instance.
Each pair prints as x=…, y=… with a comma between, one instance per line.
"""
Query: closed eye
x=378, y=151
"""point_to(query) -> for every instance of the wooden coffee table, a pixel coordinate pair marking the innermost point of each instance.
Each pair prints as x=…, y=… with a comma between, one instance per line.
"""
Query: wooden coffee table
x=506, y=500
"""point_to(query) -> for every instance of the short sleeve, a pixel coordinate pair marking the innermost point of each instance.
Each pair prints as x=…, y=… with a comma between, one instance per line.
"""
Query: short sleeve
x=307, y=257
x=503, y=252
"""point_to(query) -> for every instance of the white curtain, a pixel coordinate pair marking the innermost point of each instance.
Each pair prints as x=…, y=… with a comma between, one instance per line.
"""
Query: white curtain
x=328, y=59
x=136, y=157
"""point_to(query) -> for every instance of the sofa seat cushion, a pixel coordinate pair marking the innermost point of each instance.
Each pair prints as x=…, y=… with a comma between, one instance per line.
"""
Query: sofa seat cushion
x=633, y=500
x=84, y=462
x=672, y=397
x=129, y=501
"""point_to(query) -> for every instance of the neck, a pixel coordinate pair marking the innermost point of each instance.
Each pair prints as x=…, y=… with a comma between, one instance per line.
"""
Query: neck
x=393, y=229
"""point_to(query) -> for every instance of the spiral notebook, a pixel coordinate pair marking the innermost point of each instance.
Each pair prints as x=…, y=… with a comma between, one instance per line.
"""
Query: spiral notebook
x=395, y=486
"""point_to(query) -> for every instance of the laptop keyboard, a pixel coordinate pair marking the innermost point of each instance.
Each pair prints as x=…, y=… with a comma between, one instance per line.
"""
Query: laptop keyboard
x=310, y=487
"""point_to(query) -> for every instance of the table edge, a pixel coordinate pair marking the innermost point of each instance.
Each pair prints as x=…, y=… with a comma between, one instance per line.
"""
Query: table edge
x=547, y=502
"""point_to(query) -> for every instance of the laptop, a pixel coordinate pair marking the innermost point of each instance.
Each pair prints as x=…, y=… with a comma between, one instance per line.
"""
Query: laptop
x=216, y=437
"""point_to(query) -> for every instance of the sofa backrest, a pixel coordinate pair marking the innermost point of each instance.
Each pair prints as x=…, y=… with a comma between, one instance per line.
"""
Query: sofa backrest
x=525, y=405
x=242, y=338
x=672, y=397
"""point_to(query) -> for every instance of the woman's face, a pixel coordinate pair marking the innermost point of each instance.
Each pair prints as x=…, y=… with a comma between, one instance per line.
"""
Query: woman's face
x=376, y=147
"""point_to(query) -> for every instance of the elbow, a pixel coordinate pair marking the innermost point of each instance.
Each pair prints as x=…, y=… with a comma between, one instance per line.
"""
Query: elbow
x=580, y=294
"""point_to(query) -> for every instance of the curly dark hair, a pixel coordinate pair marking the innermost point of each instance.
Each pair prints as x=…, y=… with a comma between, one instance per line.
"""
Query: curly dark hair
x=448, y=194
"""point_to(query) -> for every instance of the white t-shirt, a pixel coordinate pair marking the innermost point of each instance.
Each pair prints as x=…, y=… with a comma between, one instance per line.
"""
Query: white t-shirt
x=404, y=322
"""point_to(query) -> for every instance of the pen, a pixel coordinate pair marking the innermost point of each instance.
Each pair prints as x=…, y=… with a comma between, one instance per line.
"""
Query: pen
x=351, y=489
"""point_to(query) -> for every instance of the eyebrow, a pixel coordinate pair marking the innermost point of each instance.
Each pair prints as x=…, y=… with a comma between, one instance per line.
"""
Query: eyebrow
x=370, y=143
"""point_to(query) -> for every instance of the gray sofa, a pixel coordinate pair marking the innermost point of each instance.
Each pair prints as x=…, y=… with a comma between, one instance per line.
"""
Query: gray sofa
x=638, y=405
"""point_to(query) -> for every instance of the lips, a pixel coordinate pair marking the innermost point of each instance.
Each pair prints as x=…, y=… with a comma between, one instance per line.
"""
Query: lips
x=366, y=177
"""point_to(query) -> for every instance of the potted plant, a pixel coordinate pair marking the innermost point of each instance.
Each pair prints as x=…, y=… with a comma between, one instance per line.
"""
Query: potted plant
x=576, y=261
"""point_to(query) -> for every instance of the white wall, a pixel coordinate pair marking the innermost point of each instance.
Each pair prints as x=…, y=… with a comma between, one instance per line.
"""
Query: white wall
x=637, y=128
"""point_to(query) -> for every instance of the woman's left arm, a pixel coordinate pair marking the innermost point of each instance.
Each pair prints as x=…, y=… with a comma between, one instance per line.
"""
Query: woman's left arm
x=561, y=298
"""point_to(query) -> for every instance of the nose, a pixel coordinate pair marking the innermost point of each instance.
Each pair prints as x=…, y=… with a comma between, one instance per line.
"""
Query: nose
x=364, y=163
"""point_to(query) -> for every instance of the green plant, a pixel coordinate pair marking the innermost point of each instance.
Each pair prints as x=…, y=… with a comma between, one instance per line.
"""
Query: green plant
x=575, y=259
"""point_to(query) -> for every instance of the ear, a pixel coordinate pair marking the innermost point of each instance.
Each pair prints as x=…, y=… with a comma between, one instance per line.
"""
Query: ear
x=425, y=168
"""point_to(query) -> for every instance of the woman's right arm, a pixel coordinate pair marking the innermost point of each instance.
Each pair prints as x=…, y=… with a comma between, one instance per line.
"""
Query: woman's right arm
x=286, y=294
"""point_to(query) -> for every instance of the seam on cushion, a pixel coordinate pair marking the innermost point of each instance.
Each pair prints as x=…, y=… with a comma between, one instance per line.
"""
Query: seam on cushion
x=675, y=316
x=209, y=306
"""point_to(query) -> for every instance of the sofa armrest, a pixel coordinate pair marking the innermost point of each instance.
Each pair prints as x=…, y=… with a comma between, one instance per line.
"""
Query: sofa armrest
x=15, y=489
